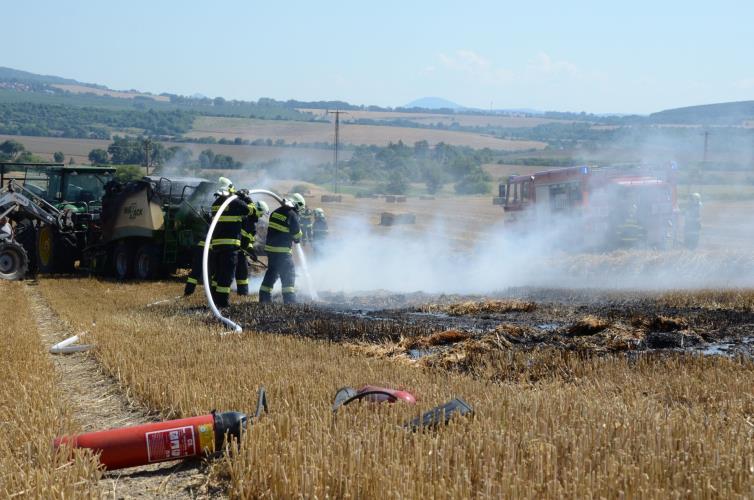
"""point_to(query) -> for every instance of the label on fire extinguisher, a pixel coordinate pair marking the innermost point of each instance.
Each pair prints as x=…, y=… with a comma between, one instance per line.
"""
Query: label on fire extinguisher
x=171, y=444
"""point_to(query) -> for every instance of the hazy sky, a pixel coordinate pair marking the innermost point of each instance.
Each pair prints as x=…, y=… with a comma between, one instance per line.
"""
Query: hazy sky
x=598, y=56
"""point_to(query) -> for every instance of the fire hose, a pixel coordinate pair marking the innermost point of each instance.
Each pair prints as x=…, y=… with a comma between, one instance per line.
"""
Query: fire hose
x=205, y=256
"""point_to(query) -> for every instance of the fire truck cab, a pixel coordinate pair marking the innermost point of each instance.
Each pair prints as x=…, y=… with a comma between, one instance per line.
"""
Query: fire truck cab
x=597, y=207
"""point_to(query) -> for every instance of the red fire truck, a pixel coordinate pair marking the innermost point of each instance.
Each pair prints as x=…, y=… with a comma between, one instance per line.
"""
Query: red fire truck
x=597, y=207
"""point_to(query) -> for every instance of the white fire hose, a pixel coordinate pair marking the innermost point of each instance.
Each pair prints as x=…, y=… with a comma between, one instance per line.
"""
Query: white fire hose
x=205, y=255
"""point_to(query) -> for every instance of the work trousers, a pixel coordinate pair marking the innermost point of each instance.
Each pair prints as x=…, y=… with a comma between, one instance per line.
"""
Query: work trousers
x=225, y=268
x=242, y=274
x=195, y=276
x=279, y=265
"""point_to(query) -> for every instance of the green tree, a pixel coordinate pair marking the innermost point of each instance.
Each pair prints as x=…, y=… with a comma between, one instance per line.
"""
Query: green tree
x=477, y=181
x=58, y=156
x=98, y=157
x=12, y=148
x=207, y=158
x=396, y=184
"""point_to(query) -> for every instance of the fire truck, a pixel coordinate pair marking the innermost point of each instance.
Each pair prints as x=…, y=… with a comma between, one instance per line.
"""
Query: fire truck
x=600, y=208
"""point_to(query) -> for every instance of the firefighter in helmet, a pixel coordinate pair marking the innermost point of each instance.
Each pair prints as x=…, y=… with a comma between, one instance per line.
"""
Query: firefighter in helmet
x=319, y=230
x=233, y=232
x=260, y=230
x=306, y=218
x=195, y=276
x=248, y=232
x=283, y=230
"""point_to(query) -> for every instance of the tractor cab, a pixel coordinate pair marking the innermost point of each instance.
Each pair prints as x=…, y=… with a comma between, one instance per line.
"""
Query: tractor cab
x=77, y=188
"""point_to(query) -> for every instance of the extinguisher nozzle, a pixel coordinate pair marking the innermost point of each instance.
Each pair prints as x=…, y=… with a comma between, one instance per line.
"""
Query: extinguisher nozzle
x=229, y=426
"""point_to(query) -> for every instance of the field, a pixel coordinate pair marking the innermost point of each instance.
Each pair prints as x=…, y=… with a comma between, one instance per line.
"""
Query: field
x=468, y=120
x=79, y=149
x=558, y=411
x=309, y=132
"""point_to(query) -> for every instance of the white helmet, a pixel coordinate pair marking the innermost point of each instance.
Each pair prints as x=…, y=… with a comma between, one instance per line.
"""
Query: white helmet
x=225, y=184
x=262, y=208
x=298, y=201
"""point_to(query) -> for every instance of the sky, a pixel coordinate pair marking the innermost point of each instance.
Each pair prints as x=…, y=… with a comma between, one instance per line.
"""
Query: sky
x=595, y=56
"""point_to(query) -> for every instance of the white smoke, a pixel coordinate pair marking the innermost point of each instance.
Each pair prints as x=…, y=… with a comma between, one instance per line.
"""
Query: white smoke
x=406, y=260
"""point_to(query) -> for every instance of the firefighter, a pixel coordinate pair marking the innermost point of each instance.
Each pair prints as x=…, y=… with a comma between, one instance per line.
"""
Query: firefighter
x=247, y=248
x=260, y=230
x=283, y=230
x=692, y=226
x=231, y=232
x=306, y=218
x=631, y=232
x=319, y=230
x=195, y=276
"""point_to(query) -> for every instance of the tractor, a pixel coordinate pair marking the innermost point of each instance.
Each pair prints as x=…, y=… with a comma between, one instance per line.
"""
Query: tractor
x=64, y=215
x=55, y=210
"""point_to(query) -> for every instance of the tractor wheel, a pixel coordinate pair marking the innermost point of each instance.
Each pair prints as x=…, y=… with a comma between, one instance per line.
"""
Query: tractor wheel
x=14, y=261
x=147, y=262
x=46, y=249
x=122, y=260
x=54, y=255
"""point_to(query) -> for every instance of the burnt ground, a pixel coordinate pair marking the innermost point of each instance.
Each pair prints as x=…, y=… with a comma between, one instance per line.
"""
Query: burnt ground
x=521, y=319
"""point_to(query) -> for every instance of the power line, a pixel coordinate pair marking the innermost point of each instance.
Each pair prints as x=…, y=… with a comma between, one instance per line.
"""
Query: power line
x=337, y=114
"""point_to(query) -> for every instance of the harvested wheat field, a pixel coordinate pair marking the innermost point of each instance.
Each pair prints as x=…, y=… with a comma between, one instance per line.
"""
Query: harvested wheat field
x=575, y=393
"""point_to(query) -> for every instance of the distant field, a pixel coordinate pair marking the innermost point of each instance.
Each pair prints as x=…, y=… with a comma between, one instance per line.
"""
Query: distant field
x=82, y=89
x=79, y=149
x=289, y=131
x=446, y=119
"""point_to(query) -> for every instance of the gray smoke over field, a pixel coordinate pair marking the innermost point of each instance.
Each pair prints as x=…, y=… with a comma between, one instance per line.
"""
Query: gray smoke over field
x=410, y=261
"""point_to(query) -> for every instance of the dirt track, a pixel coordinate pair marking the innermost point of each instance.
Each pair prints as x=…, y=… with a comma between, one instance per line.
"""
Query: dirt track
x=99, y=403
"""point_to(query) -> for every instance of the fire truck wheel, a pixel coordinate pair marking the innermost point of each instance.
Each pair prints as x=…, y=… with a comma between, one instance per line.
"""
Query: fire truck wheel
x=13, y=261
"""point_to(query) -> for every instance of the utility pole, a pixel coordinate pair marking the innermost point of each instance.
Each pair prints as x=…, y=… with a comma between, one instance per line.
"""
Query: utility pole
x=706, y=144
x=147, y=149
x=337, y=114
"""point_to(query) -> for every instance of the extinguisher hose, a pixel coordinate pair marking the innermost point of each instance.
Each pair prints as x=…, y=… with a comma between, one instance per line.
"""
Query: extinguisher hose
x=205, y=268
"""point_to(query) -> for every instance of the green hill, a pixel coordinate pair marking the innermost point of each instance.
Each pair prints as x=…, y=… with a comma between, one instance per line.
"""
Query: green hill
x=726, y=113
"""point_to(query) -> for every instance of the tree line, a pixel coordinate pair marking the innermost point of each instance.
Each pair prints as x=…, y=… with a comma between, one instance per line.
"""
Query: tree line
x=395, y=166
x=133, y=151
x=25, y=118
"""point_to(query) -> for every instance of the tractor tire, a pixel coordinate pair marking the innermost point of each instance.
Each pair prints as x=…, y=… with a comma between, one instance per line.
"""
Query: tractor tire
x=54, y=255
x=122, y=260
x=14, y=262
x=147, y=264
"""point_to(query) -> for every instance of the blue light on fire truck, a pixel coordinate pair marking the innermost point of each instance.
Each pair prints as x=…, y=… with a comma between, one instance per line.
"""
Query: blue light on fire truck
x=584, y=170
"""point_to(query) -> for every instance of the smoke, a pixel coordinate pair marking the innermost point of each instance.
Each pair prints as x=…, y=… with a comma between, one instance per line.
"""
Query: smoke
x=405, y=260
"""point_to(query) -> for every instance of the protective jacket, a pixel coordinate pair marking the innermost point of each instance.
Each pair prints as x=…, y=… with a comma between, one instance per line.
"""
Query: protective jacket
x=283, y=229
x=236, y=225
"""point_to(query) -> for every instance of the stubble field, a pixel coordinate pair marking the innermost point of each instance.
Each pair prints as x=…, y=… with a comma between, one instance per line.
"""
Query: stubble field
x=549, y=421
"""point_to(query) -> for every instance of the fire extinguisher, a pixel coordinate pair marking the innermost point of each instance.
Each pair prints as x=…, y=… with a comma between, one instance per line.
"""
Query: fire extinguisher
x=144, y=444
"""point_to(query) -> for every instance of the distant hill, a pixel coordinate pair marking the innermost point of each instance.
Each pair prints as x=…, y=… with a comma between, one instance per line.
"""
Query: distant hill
x=726, y=113
x=10, y=74
x=433, y=103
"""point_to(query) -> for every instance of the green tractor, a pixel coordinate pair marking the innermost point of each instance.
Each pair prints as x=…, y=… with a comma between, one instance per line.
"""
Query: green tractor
x=55, y=210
